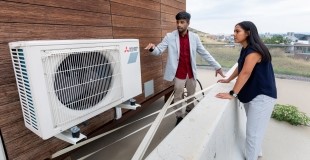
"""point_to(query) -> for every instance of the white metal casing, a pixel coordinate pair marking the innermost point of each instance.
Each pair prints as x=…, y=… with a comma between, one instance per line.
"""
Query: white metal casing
x=35, y=63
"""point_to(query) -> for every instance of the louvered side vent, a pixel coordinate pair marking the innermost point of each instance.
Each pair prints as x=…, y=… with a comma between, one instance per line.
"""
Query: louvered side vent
x=24, y=87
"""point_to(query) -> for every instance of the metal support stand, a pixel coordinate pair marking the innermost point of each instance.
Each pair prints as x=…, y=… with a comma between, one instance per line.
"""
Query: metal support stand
x=67, y=136
x=126, y=105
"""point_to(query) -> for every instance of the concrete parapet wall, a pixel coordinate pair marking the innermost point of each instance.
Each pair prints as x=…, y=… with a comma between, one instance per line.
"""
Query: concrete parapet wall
x=214, y=129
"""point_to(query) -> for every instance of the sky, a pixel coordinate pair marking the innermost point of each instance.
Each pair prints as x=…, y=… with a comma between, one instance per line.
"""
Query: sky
x=273, y=16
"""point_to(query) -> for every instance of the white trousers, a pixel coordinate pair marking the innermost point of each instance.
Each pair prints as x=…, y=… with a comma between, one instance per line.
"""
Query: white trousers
x=258, y=112
x=179, y=85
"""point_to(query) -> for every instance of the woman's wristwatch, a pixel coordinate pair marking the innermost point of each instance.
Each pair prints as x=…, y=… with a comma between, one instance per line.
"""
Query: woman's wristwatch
x=232, y=93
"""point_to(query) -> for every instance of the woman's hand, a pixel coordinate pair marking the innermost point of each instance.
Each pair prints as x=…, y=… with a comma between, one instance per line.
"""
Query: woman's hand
x=224, y=96
x=223, y=81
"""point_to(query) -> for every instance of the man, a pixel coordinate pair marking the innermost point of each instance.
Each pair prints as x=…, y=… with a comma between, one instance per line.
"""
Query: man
x=181, y=63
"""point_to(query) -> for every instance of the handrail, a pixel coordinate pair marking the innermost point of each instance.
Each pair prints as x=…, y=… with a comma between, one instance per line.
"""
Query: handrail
x=151, y=132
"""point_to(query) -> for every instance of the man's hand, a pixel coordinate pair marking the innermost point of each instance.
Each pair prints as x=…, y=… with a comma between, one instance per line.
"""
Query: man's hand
x=150, y=46
x=219, y=71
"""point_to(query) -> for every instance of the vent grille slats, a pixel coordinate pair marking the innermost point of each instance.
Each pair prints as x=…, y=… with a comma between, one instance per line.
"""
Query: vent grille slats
x=24, y=87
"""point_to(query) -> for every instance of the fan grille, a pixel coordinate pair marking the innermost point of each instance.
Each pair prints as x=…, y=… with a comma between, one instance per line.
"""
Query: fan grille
x=83, y=80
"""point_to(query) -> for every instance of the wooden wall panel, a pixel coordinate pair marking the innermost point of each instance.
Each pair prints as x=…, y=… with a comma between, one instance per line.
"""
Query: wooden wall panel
x=101, y=6
x=27, y=13
x=121, y=32
x=158, y=83
x=28, y=141
x=174, y=4
x=7, y=98
x=169, y=9
x=7, y=77
x=168, y=25
x=133, y=11
x=152, y=74
x=147, y=4
x=167, y=17
x=122, y=21
x=145, y=41
x=20, y=31
x=10, y=113
x=6, y=69
x=153, y=64
x=18, y=131
x=182, y=1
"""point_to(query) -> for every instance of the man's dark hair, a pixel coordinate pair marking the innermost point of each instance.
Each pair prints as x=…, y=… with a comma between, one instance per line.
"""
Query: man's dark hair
x=183, y=15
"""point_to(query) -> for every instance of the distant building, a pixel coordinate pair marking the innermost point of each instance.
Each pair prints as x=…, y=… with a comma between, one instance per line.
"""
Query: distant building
x=291, y=37
x=266, y=35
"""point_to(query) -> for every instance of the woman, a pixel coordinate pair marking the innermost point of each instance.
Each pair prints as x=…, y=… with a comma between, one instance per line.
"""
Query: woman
x=255, y=86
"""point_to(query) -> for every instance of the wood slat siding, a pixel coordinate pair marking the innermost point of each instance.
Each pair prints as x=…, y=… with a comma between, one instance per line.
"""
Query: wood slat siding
x=169, y=9
x=9, y=114
x=100, y=6
x=175, y=4
x=122, y=21
x=15, y=12
x=147, y=4
x=23, y=20
x=133, y=11
x=21, y=31
x=168, y=17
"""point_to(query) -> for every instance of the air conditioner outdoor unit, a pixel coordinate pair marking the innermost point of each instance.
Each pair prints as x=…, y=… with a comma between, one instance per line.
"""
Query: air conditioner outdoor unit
x=62, y=83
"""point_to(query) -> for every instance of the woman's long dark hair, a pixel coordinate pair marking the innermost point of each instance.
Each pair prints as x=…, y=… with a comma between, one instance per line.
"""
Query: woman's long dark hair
x=254, y=40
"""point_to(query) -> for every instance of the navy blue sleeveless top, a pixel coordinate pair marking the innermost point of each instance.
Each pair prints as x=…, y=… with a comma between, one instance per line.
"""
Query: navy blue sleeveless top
x=261, y=81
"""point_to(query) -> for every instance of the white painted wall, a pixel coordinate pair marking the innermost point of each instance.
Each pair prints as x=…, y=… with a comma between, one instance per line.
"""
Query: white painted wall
x=214, y=129
x=2, y=154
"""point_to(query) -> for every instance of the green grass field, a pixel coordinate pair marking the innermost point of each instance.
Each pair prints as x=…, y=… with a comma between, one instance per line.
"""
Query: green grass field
x=282, y=63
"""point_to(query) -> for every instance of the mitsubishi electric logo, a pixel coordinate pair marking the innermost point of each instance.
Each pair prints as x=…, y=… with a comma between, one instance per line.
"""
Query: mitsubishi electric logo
x=126, y=50
x=131, y=49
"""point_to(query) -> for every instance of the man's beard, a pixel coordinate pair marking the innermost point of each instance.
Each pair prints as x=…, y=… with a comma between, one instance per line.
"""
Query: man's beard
x=181, y=30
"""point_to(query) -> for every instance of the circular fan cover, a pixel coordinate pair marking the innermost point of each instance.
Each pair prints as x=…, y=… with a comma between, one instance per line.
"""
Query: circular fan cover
x=83, y=79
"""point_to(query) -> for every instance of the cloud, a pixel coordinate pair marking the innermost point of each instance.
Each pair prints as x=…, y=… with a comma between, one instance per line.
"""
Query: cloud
x=270, y=16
